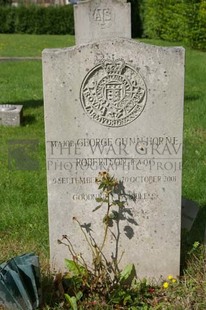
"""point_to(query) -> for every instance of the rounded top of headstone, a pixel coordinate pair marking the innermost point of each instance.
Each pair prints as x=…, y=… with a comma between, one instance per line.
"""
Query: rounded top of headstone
x=7, y=107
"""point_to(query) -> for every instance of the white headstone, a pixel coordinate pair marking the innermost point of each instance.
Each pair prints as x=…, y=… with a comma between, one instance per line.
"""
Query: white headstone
x=117, y=106
x=100, y=20
x=11, y=115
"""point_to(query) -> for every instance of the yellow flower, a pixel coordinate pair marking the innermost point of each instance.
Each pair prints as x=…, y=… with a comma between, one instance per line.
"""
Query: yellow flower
x=165, y=285
x=170, y=277
x=174, y=280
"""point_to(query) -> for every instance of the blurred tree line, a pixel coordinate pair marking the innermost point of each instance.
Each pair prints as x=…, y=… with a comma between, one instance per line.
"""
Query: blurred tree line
x=5, y=2
x=175, y=20
x=172, y=20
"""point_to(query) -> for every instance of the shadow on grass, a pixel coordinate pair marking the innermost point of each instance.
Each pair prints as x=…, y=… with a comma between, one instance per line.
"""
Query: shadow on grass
x=197, y=233
x=51, y=293
x=28, y=119
x=27, y=103
x=192, y=96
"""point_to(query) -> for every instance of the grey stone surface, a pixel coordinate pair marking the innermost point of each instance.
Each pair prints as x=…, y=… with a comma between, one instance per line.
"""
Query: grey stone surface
x=101, y=19
x=11, y=115
x=116, y=105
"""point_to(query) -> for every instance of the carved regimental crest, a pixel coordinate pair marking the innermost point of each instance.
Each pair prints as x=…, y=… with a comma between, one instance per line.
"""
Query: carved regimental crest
x=113, y=93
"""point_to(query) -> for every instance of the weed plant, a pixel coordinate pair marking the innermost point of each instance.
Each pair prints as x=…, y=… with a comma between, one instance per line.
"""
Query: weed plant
x=184, y=293
x=103, y=283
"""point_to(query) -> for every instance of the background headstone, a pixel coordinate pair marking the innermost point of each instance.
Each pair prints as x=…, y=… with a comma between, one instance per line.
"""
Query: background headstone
x=100, y=20
x=11, y=115
x=116, y=105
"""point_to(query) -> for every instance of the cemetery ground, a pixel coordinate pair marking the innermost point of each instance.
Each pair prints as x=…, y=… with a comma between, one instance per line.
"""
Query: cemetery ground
x=23, y=199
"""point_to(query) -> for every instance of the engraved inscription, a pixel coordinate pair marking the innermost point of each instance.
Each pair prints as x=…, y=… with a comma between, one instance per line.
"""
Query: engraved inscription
x=144, y=163
x=148, y=164
x=113, y=93
x=140, y=179
x=111, y=164
x=102, y=16
x=138, y=196
x=149, y=147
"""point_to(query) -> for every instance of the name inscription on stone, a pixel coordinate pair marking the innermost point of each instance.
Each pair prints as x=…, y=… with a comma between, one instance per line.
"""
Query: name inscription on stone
x=149, y=161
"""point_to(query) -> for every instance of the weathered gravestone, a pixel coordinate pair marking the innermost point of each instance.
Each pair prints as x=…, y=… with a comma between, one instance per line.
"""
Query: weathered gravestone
x=101, y=19
x=11, y=115
x=116, y=105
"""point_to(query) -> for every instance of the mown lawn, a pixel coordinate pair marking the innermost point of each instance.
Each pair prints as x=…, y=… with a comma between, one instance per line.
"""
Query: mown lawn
x=31, y=45
x=23, y=198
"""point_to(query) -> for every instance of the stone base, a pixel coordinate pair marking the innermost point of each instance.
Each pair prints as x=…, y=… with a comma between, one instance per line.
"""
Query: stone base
x=11, y=115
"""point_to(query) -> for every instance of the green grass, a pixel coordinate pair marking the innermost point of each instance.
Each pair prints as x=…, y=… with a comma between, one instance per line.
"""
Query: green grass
x=194, y=168
x=23, y=194
x=23, y=199
x=23, y=45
